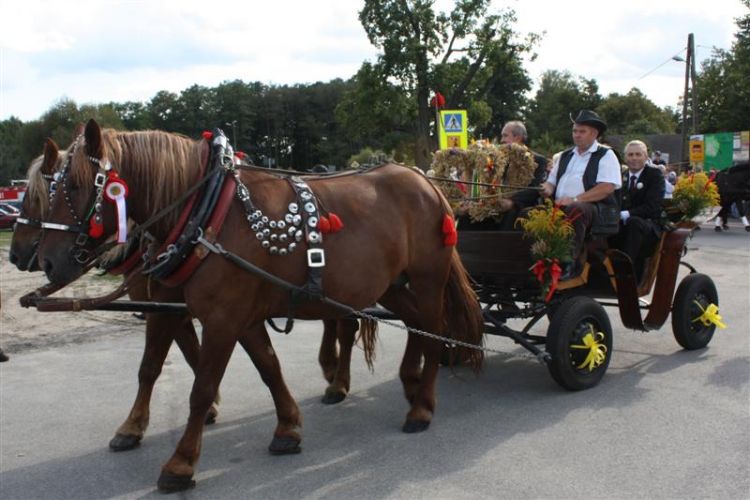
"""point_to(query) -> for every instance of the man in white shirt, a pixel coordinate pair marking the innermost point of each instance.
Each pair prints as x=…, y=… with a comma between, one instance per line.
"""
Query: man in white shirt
x=583, y=181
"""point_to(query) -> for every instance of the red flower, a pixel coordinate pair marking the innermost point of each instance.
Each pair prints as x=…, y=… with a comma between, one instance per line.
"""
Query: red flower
x=208, y=135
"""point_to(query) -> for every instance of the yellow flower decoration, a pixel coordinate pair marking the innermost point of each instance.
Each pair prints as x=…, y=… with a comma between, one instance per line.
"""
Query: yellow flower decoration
x=694, y=193
x=710, y=315
x=597, y=351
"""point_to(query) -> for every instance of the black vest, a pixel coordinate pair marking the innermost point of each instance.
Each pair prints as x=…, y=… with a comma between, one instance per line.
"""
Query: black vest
x=608, y=208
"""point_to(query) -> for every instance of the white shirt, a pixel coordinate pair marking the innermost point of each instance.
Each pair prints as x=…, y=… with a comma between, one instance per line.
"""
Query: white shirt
x=571, y=183
x=625, y=214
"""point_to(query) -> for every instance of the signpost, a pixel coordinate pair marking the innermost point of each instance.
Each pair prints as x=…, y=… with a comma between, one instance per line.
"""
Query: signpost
x=453, y=129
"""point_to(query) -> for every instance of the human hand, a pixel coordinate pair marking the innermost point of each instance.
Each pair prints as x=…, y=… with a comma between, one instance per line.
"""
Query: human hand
x=565, y=201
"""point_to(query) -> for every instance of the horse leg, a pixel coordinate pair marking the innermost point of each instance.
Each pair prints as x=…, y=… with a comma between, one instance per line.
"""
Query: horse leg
x=423, y=403
x=187, y=340
x=346, y=330
x=286, y=437
x=402, y=302
x=177, y=473
x=327, y=356
x=130, y=433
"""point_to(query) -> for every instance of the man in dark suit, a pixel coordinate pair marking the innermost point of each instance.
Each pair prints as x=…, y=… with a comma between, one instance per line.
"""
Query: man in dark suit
x=642, y=195
x=514, y=132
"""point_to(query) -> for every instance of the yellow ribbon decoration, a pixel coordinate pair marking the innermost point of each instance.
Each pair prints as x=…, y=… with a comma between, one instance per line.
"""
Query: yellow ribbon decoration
x=710, y=315
x=597, y=351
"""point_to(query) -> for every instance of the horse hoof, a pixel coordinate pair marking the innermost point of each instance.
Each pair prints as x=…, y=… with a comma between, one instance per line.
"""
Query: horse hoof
x=284, y=445
x=725, y=227
x=169, y=483
x=333, y=397
x=124, y=442
x=717, y=229
x=412, y=426
x=211, y=415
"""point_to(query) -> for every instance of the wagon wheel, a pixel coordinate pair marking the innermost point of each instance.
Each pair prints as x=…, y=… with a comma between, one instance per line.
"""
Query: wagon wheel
x=579, y=341
x=694, y=295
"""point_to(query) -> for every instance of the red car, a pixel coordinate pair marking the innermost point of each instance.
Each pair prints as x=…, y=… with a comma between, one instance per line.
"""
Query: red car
x=7, y=218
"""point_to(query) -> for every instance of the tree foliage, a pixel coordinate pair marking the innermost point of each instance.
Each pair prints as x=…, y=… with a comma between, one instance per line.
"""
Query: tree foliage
x=464, y=54
x=724, y=84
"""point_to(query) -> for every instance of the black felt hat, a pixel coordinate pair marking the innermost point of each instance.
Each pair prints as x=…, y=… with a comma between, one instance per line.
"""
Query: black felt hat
x=588, y=117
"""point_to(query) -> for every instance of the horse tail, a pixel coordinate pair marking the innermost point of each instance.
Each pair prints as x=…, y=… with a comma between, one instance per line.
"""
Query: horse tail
x=463, y=313
x=368, y=335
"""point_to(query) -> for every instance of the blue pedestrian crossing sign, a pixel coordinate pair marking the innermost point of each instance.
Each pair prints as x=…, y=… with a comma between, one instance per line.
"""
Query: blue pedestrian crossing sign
x=453, y=122
x=453, y=131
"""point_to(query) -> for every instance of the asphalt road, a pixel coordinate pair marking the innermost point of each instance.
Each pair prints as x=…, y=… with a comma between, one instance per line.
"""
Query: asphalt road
x=663, y=423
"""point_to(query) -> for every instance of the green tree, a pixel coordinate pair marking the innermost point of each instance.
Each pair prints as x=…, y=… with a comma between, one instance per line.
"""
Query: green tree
x=723, y=84
x=560, y=94
x=12, y=165
x=633, y=114
x=455, y=53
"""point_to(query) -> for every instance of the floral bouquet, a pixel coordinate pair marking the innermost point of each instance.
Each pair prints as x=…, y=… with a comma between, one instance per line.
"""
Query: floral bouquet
x=552, y=232
x=693, y=194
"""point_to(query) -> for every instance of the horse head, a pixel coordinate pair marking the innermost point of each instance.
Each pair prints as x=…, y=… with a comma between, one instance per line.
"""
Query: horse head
x=23, y=247
x=68, y=238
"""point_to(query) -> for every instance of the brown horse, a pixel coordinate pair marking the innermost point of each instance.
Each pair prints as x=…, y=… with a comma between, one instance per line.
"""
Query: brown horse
x=394, y=219
x=164, y=328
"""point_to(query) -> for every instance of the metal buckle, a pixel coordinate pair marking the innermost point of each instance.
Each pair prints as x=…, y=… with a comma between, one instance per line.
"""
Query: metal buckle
x=100, y=179
x=316, y=257
x=81, y=239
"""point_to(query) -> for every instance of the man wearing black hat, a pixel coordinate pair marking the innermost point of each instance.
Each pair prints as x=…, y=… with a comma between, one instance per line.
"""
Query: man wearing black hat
x=583, y=182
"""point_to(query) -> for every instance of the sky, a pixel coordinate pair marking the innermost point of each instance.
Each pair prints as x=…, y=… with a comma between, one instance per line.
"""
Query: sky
x=128, y=50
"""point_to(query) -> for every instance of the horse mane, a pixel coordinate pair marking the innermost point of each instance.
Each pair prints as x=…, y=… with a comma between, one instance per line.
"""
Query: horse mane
x=37, y=189
x=162, y=164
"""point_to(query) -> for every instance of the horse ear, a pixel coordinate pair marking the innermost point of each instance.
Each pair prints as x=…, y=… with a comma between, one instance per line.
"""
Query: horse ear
x=93, y=135
x=80, y=127
x=51, y=153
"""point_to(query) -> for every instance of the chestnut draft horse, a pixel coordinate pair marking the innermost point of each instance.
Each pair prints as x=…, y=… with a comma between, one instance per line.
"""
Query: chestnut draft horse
x=394, y=221
x=164, y=328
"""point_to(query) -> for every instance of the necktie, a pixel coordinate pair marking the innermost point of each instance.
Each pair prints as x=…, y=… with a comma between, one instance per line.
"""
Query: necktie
x=633, y=178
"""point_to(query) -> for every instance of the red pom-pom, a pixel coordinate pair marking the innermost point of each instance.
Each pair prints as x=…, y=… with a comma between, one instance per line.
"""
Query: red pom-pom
x=207, y=135
x=324, y=225
x=449, y=230
x=450, y=239
x=240, y=154
x=336, y=224
x=96, y=229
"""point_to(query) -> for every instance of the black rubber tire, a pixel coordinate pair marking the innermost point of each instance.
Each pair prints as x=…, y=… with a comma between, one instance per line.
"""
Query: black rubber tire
x=573, y=319
x=691, y=334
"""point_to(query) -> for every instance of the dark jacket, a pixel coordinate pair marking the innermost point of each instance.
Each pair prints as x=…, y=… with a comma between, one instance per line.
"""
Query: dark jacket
x=645, y=202
x=529, y=197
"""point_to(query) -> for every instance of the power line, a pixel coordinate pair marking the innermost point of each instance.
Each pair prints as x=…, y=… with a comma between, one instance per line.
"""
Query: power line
x=675, y=57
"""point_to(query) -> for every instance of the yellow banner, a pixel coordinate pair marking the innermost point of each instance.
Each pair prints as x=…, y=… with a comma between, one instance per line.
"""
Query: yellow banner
x=453, y=129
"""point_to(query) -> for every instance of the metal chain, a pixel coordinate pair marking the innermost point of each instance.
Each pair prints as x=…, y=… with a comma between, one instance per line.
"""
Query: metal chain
x=448, y=340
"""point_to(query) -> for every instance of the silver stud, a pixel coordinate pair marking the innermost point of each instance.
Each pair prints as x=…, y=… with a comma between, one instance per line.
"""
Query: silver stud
x=312, y=222
x=259, y=235
x=288, y=218
x=292, y=246
x=293, y=208
x=281, y=224
x=305, y=195
x=266, y=232
x=264, y=219
x=282, y=238
x=272, y=224
x=292, y=230
x=313, y=237
x=257, y=214
x=274, y=250
x=309, y=207
x=274, y=237
x=297, y=220
x=282, y=252
x=298, y=235
x=265, y=244
x=255, y=227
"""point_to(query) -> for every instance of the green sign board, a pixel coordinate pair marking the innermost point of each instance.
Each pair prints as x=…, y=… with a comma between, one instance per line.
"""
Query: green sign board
x=719, y=149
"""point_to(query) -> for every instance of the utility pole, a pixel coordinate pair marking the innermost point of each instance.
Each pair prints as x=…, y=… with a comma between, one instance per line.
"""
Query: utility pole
x=689, y=75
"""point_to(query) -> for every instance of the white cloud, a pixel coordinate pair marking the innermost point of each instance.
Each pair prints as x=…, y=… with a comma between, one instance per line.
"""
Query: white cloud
x=119, y=50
